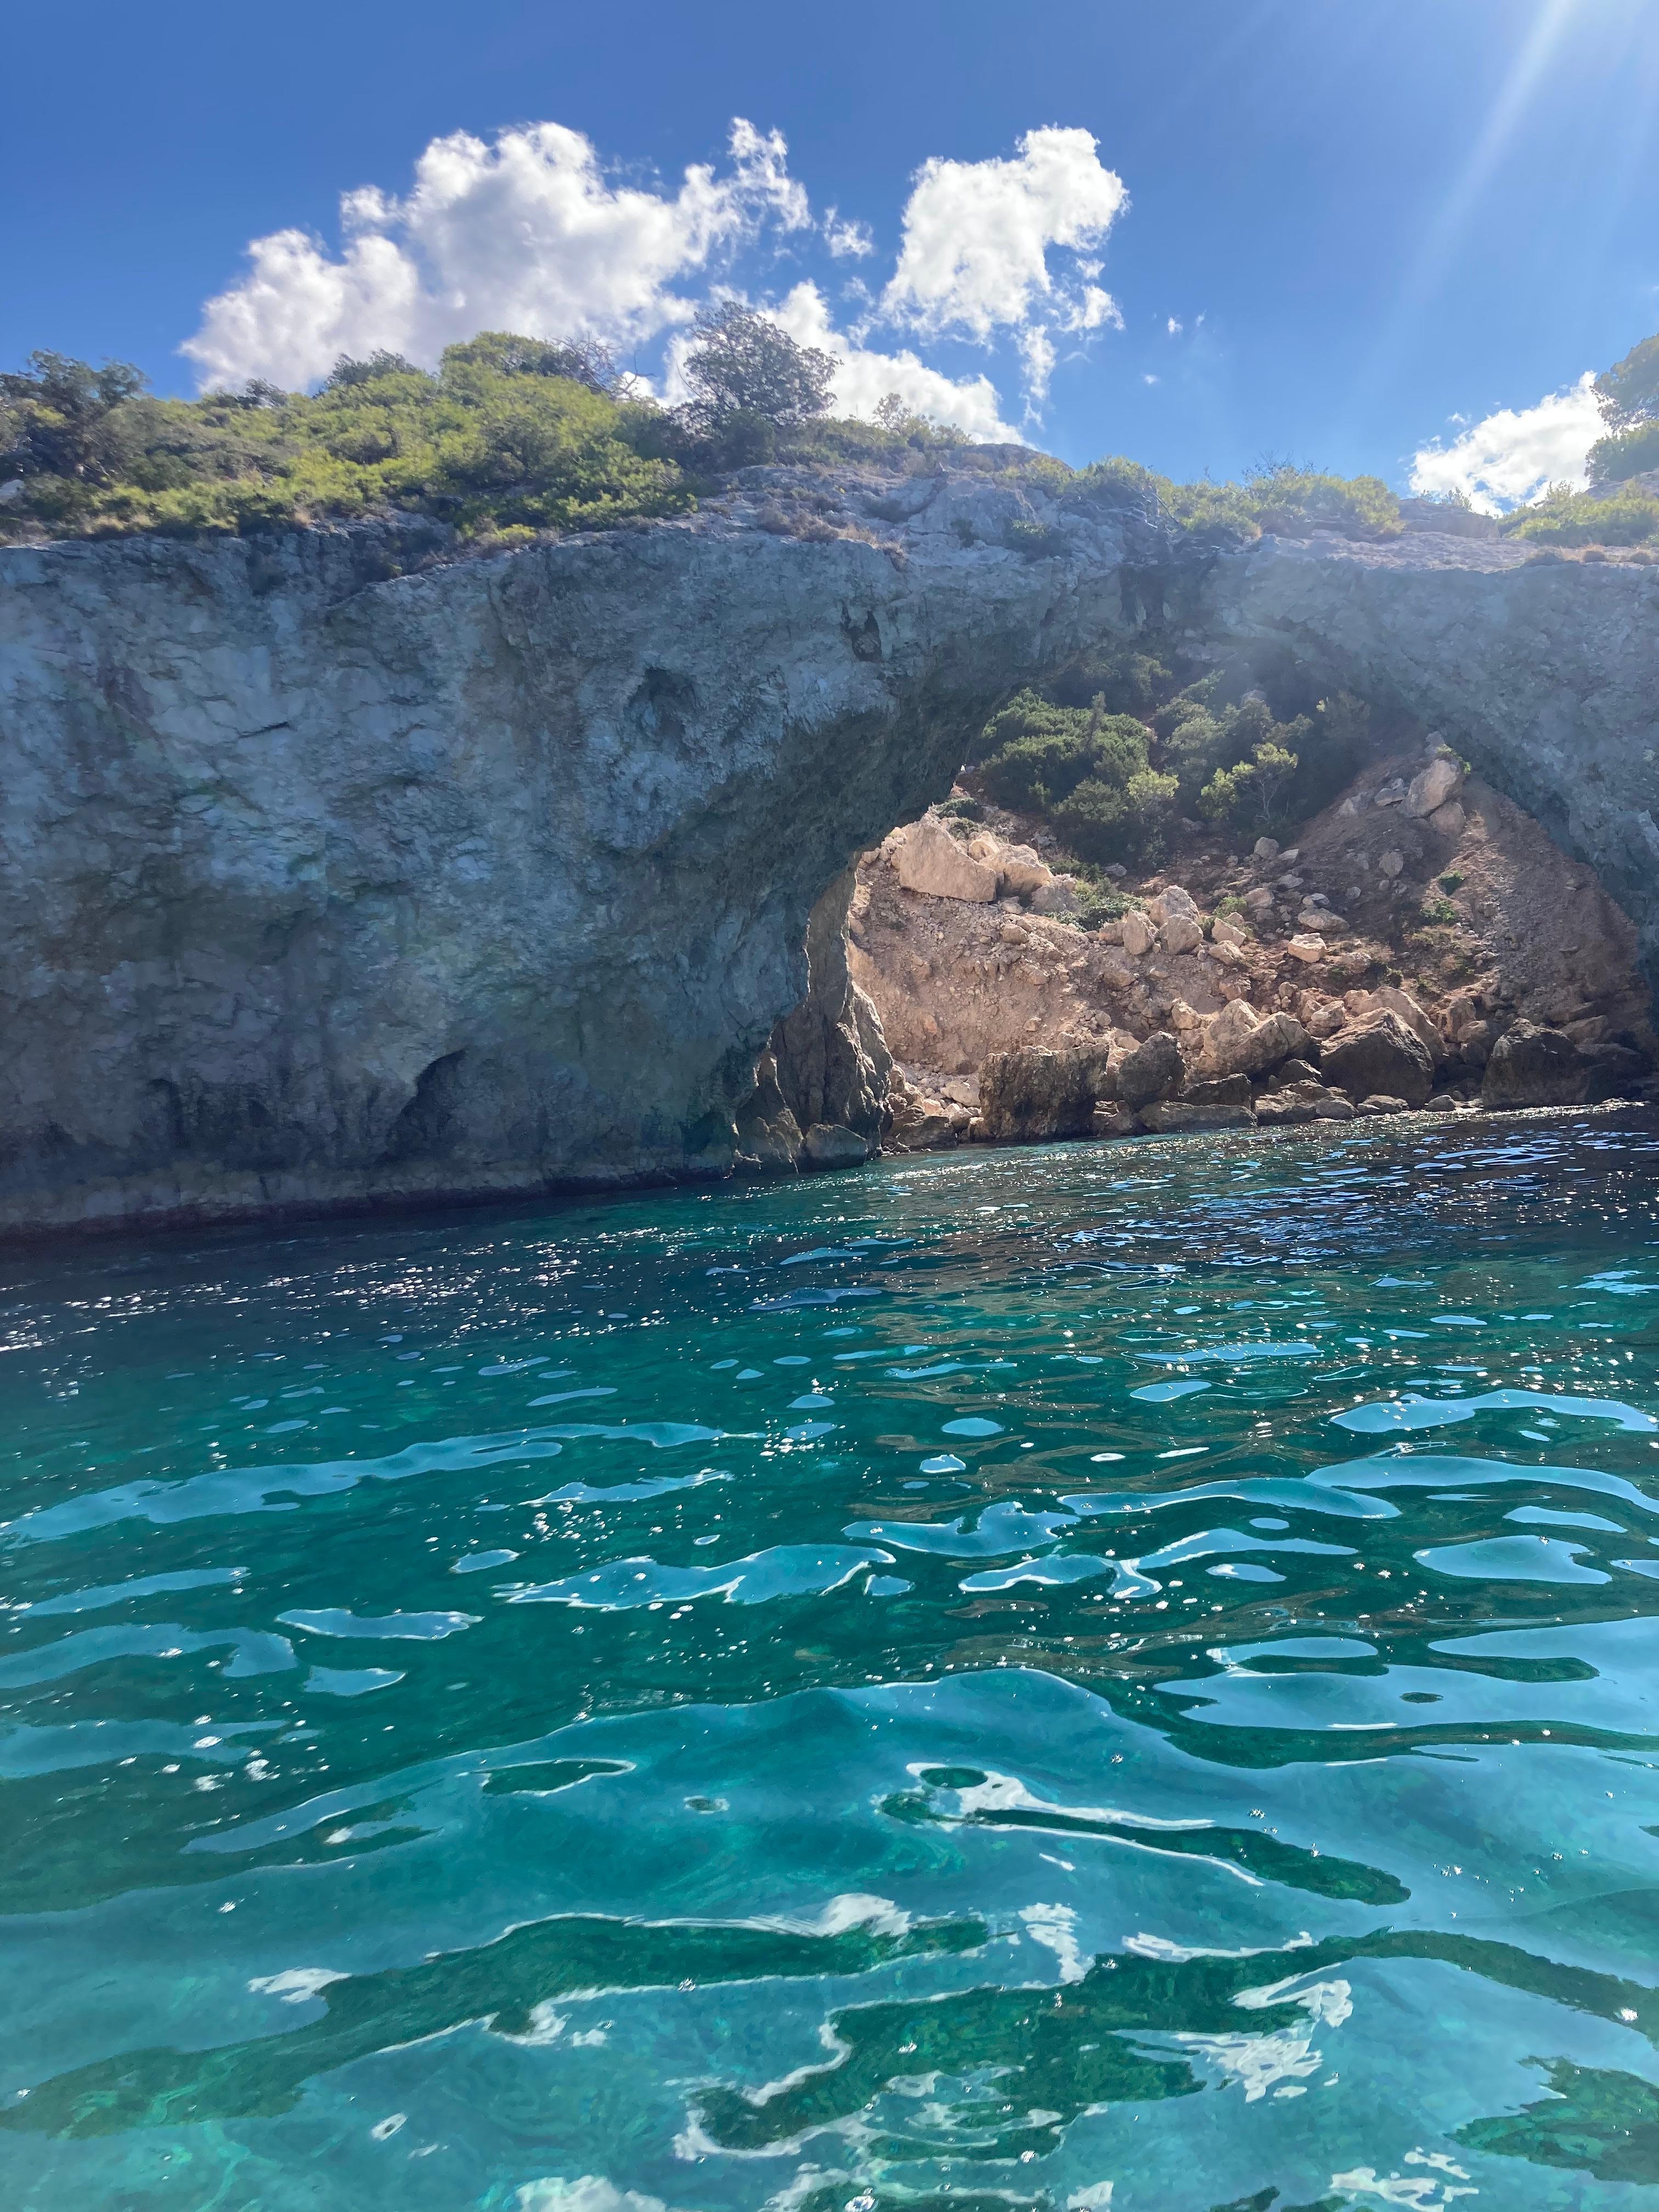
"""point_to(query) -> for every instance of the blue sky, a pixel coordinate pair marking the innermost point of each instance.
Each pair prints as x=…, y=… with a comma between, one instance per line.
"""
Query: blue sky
x=1335, y=230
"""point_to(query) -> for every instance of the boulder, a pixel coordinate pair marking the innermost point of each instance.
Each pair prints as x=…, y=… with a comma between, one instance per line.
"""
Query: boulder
x=1265, y=849
x=1057, y=896
x=1392, y=862
x=1170, y=1117
x=1380, y=1102
x=1530, y=1066
x=1433, y=786
x=1222, y=931
x=1306, y=946
x=1449, y=819
x=1029, y=1096
x=1380, y=1055
x=1238, y=1041
x=828, y=1144
x=1292, y=1072
x=1223, y=1091
x=1302, y=1102
x=1153, y=1071
x=1181, y=932
x=1021, y=871
x=1140, y=934
x=931, y=861
x=1173, y=899
x=921, y=1124
x=1114, y=1120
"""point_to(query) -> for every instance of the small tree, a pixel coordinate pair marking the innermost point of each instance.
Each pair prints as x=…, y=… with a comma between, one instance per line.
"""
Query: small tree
x=1629, y=392
x=55, y=413
x=579, y=361
x=750, y=380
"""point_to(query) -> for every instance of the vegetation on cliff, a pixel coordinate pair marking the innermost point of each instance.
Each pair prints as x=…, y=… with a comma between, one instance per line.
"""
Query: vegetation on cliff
x=513, y=436
x=1122, y=752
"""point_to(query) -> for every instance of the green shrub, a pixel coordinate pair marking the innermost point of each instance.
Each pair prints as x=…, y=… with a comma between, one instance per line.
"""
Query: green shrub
x=511, y=434
x=1625, y=453
x=1565, y=517
x=1088, y=770
x=1453, y=880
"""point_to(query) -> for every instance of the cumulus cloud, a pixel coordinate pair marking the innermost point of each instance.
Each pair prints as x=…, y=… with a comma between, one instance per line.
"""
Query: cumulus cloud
x=981, y=240
x=1514, y=456
x=525, y=233
x=847, y=239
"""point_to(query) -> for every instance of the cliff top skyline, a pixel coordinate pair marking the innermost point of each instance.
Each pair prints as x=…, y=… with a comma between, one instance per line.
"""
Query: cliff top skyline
x=1392, y=238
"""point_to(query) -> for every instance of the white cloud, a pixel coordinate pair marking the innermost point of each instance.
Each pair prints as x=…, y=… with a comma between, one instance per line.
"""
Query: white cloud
x=847, y=238
x=1514, y=456
x=977, y=235
x=524, y=235
x=864, y=377
x=1174, y=326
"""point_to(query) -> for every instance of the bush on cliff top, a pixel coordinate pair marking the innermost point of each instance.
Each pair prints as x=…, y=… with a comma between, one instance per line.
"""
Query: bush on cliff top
x=516, y=435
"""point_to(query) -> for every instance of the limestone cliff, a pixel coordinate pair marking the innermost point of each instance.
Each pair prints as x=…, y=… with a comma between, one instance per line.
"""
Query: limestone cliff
x=336, y=869
x=1544, y=672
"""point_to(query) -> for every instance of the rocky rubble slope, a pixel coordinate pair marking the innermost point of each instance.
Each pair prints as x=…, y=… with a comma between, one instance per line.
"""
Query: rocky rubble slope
x=1423, y=939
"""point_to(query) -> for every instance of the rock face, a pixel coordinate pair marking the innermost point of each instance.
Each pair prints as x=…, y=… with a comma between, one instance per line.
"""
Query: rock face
x=1545, y=674
x=330, y=877
x=338, y=869
x=1531, y=1066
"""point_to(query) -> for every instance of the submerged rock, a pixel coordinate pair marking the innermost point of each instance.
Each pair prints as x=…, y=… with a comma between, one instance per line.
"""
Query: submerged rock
x=1170, y=1116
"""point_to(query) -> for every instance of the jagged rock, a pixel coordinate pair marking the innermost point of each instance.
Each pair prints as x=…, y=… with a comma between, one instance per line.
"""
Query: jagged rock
x=1140, y=934
x=1305, y=946
x=1392, y=794
x=1239, y=1042
x=1222, y=1091
x=1380, y=1102
x=831, y=1059
x=1265, y=849
x=1031, y=1096
x=922, y=1125
x=931, y=862
x=1392, y=862
x=828, y=1144
x=1153, y=1070
x=1450, y=820
x=1259, y=899
x=1058, y=896
x=1182, y=1016
x=1168, y=1117
x=1222, y=931
x=1433, y=786
x=1114, y=1120
x=1380, y=1055
x=769, y=1135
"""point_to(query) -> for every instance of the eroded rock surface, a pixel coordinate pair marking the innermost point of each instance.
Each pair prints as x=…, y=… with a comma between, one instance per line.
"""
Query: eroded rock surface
x=329, y=877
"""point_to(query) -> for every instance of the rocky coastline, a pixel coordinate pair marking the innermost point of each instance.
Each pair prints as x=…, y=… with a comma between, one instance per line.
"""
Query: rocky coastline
x=339, y=870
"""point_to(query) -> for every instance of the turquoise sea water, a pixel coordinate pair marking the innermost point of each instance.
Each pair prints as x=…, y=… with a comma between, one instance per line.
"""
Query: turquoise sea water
x=1097, y=1676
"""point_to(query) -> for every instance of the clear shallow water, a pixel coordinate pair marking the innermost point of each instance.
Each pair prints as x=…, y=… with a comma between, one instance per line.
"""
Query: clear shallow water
x=972, y=1681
